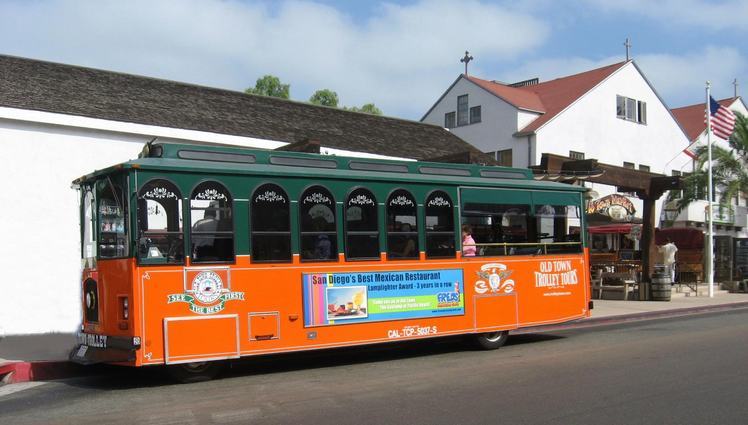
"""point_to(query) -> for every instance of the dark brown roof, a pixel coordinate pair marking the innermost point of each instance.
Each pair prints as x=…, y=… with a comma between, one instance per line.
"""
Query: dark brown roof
x=52, y=87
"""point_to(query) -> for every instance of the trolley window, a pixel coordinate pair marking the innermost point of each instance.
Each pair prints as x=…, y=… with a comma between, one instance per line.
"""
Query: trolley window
x=211, y=234
x=318, y=229
x=361, y=226
x=88, y=209
x=440, y=229
x=270, y=224
x=112, y=214
x=160, y=237
x=402, y=225
x=559, y=228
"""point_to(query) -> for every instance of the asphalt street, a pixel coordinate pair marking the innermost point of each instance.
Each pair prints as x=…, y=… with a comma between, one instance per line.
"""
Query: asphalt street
x=687, y=370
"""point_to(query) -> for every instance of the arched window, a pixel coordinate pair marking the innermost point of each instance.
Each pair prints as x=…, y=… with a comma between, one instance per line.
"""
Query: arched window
x=440, y=229
x=270, y=224
x=160, y=238
x=318, y=230
x=212, y=228
x=402, y=225
x=361, y=225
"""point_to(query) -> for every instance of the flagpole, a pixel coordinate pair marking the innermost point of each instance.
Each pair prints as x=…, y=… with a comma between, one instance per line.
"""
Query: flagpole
x=710, y=210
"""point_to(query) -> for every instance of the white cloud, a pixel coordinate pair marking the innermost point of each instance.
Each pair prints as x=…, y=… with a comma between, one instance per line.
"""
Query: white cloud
x=681, y=79
x=722, y=15
x=402, y=58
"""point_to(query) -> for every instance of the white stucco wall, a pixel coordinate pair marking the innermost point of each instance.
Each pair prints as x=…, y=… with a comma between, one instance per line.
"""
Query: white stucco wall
x=41, y=253
x=590, y=125
x=40, y=218
x=499, y=120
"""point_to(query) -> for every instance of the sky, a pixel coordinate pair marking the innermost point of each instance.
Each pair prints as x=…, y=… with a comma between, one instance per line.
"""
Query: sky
x=400, y=55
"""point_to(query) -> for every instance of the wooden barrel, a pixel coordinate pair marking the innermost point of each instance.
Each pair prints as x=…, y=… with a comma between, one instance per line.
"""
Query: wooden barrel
x=661, y=286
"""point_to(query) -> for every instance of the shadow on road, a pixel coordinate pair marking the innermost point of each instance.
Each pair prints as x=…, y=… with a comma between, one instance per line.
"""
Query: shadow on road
x=113, y=378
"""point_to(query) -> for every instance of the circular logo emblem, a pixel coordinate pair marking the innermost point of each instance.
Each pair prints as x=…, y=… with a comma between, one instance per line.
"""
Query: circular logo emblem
x=207, y=287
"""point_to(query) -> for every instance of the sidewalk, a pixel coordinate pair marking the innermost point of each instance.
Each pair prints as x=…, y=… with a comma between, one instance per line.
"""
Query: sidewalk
x=44, y=356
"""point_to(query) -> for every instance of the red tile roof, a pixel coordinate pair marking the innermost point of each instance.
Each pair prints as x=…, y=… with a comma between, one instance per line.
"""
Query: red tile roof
x=516, y=96
x=691, y=118
x=550, y=97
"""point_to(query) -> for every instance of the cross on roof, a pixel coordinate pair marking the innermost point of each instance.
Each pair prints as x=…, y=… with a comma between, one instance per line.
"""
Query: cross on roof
x=735, y=85
x=466, y=59
x=627, y=44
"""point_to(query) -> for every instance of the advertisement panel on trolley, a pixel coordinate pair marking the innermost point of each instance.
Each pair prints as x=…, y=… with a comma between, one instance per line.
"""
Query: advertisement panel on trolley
x=339, y=298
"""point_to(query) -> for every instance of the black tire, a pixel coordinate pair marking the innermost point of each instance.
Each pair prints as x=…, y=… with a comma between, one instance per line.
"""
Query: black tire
x=187, y=373
x=490, y=340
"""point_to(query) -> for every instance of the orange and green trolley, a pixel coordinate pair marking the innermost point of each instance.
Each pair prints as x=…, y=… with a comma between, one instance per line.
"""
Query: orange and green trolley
x=195, y=254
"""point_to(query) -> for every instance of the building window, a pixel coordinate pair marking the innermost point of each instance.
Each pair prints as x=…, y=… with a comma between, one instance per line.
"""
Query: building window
x=449, y=120
x=641, y=112
x=271, y=224
x=319, y=241
x=643, y=167
x=212, y=229
x=462, y=110
x=631, y=109
x=475, y=114
x=629, y=165
x=576, y=155
x=504, y=158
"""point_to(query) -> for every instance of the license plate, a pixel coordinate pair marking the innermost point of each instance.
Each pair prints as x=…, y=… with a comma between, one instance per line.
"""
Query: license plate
x=81, y=351
x=92, y=340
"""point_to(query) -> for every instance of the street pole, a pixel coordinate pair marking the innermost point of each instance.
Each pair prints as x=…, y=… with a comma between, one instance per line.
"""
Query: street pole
x=710, y=234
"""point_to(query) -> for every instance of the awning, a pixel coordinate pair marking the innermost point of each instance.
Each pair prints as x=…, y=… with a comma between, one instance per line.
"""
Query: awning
x=623, y=228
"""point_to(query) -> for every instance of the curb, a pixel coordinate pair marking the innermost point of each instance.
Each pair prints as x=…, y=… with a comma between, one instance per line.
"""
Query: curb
x=14, y=372
x=634, y=317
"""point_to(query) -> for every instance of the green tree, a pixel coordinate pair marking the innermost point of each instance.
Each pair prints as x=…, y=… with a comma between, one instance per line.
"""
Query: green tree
x=270, y=85
x=729, y=169
x=368, y=108
x=325, y=97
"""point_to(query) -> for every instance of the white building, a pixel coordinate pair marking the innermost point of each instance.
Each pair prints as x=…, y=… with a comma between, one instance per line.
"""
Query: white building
x=612, y=114
x=734, y=220
x=59, y=122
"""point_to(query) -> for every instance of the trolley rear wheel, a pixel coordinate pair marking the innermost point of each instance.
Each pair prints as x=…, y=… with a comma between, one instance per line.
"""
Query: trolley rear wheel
x=490, y=340
x=195, y=372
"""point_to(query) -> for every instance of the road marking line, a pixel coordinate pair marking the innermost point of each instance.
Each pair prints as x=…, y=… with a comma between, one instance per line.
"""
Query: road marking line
x=14, y=388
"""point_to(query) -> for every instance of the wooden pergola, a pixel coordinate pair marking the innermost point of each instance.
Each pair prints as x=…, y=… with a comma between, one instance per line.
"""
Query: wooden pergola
x=648, y=186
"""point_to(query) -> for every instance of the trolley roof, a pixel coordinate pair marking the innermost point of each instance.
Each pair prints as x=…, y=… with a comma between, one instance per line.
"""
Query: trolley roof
x=218, y=159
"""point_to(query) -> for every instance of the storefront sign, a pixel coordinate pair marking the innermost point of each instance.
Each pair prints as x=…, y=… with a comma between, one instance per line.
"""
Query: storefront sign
x=339, y=298
x=617, y=207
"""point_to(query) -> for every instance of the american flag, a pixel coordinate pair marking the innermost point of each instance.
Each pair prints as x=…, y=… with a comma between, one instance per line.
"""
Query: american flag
x=723, y=120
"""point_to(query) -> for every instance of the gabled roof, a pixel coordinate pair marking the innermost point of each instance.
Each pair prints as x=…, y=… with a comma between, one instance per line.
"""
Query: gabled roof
x=72, y=90
x=560, y=93
x=548, y=98
x=518, y=97
x=692, y=118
